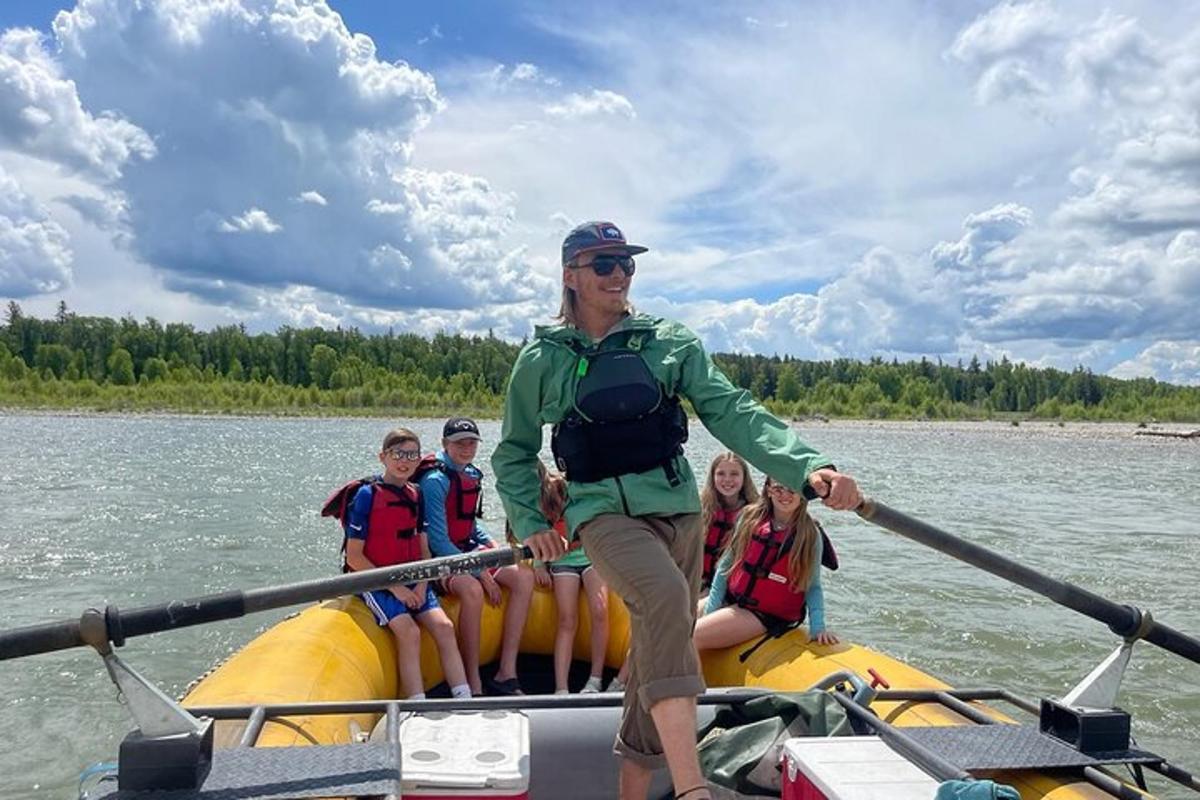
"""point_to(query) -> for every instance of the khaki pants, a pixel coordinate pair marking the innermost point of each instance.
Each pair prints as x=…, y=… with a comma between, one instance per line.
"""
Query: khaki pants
x=654, y=564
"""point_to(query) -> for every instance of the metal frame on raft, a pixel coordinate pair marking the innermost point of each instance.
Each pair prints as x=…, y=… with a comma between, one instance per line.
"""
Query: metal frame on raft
x=173, y=749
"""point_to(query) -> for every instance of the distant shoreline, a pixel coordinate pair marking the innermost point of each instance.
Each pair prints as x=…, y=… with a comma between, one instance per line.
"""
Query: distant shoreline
x=1052, y=429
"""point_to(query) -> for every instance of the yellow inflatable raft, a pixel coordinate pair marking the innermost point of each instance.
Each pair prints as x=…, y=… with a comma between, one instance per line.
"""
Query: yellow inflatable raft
x=335, y=651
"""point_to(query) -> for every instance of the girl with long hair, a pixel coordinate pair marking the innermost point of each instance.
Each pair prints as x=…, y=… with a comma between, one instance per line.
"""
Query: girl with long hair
x=770, y=577
x=727, y=490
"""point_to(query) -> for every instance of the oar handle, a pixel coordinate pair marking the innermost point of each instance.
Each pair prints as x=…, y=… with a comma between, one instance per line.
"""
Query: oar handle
x=98, y=628
x=1125, y=621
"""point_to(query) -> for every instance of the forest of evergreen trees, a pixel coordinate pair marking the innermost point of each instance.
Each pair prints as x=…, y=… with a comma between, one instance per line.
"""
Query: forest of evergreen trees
x=98, y=363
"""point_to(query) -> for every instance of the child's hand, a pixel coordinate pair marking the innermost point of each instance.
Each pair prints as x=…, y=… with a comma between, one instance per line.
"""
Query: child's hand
x=407, y=596
x=491, y=589
x=825, y=637
x=541, y=576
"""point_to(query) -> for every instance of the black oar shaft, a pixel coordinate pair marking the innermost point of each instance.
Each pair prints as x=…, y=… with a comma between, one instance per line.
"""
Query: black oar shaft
x=120, y=625
x=1123, y=620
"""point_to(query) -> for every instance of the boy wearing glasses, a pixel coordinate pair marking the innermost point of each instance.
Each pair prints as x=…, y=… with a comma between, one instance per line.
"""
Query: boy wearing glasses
x=384, y=526
x=452, y=487
x=610, y=382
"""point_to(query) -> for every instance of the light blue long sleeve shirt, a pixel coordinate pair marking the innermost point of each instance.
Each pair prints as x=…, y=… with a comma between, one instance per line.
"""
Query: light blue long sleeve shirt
x=435, y=485
x=814, y=595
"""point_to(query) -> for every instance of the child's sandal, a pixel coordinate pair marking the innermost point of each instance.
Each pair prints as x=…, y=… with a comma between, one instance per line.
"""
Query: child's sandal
x=701, y=788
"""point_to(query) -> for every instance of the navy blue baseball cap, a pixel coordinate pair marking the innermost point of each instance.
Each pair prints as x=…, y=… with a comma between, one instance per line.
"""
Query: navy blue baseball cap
x=597, y=236
x=458, y=428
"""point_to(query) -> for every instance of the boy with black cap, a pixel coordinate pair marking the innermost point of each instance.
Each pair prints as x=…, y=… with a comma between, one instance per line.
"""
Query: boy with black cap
x=451, y=487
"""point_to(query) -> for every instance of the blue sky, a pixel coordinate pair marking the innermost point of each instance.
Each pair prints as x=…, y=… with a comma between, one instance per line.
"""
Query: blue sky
x=820, y=179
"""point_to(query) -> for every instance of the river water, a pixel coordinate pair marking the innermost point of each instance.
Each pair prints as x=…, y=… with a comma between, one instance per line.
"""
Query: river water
x=133, y=511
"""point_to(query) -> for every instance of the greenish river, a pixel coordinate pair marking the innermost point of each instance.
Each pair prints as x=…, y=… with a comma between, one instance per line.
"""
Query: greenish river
x=138, y=510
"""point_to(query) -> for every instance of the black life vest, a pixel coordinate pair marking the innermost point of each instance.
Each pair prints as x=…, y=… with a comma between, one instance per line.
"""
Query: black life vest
x=392, y=524
x=464, y=500
x=716, y=539
x=622, y=420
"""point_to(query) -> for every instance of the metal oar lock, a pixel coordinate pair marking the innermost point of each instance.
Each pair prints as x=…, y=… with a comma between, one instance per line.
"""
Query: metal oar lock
x=172, y=749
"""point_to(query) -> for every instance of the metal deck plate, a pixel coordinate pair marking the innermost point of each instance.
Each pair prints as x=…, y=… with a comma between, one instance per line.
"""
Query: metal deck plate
x=268, y=773
x=1003, y=746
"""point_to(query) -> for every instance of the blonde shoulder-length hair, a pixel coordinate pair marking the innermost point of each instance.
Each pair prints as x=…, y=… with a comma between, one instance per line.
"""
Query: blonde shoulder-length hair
x=802, y=558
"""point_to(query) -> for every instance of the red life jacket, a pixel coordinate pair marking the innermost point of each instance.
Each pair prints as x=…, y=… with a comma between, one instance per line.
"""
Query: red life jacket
x=716, y=540
x=759, y=581
x=464, y=501
x=392, y=524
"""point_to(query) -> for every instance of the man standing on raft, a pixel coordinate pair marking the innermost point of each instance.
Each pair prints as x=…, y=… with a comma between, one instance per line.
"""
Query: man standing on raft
x=610, y=382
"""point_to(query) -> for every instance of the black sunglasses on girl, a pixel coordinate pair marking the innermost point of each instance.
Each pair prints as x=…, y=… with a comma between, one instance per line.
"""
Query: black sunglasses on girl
x=606, y=263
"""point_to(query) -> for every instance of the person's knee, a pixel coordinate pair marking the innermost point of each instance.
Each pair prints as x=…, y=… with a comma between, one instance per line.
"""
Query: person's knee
x=441, y=629
x=675, y=598
x=408, y=635
x=469, y=592
x=520, y=582
x=568, y=617
x=598, y=606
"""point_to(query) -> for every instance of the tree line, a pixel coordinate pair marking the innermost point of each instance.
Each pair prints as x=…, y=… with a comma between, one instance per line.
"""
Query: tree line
x=99, y=363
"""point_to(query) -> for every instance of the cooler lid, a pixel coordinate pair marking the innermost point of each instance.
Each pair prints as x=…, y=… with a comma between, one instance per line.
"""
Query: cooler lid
x=856, y=768
x=465, y=750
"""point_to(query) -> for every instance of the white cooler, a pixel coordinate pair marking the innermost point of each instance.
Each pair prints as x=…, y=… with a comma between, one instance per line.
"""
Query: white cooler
x=851, y=768
x=461, y=755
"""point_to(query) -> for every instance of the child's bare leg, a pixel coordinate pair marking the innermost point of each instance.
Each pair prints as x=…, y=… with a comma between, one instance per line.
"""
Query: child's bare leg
x=408, y=654
x=566, y=598
x=441, y=630
x=469, y=592
x=725, y=627
x=597, y=596
x=519, y=583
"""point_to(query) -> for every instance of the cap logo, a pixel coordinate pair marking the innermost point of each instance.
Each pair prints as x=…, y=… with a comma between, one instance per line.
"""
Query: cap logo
x=611, y=232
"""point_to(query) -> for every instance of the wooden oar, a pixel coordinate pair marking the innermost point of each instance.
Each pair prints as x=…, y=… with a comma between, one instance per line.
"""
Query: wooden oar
x=98, y=628
x=1125, y=621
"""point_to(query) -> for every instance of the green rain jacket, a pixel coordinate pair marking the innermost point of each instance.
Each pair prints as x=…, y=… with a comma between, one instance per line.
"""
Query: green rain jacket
x=541, y=390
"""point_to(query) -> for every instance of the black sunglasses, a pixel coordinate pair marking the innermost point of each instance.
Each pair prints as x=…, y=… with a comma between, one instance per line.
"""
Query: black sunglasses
x=605, y=264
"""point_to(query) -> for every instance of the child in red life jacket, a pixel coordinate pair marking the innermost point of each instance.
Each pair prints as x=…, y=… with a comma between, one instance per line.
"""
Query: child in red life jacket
x=570, y=575
x=726, y=492
x=770, y=576
x=453, y=493
x=384, y=526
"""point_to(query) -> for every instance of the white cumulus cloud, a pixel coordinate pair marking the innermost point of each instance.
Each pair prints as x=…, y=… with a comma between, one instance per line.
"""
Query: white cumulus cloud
x=226, y=120
x=1174, y=362
x=310, y=196
x=41, y=114
x=255, y=220
x=598, y=101
x=35, y=252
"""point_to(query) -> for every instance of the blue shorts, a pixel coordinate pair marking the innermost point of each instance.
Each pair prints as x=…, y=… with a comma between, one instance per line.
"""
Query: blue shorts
x=386, y=606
